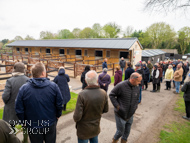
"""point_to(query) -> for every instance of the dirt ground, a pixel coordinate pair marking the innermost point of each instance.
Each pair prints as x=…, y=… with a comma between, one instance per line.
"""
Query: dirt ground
x=166, y=117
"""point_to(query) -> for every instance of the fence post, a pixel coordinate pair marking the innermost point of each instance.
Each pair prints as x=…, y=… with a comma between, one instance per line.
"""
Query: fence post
x=113, y=68
x=74, y=70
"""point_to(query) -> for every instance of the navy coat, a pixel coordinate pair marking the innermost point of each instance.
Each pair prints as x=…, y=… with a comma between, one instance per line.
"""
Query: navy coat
x=104, y=65
x=128, y=72
x=146, y=73
x=39, y=102
x=62, y=80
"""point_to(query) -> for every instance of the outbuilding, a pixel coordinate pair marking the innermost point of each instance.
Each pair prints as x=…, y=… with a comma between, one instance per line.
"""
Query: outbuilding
x=155, y=55
x=114, y=49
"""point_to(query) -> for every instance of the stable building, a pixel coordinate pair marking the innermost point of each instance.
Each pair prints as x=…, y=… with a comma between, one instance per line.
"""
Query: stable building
x=129, y=48
x=155, y=55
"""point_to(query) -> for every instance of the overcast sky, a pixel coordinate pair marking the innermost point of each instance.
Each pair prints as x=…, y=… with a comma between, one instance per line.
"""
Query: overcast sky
x=30, y=17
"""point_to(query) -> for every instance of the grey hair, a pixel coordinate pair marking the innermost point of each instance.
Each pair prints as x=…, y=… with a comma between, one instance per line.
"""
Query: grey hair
x=105, y=70
x=135, y=75
x=170, y=66
x=180, y=64
x=19, y=67
x=91, y=77
x=187, y=79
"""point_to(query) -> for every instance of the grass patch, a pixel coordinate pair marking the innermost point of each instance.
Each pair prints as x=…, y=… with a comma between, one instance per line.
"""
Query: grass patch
x=1, y=113
x=71, y=104
x=112, y=78
x=180, y=105
x=178, y=132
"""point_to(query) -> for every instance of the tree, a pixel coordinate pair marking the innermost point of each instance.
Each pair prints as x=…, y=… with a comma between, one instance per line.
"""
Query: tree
x=160, y=32
x=97, y=30
x=111, y=30
x=167, y=5
x=128, y=31
x=184, y=39
x=18, y=38
x=29, y=38
x=76, y=32
x=1, y=45
x=86, y=33
x=4, y=41
x=65, y=34
x=47, y=35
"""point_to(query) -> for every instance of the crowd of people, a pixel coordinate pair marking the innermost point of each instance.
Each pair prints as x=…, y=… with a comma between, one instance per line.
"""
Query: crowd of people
x=37, y=103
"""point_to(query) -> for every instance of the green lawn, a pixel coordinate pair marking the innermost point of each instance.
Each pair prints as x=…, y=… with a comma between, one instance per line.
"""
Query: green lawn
x=70, y=105
x=177, y=132
x=112, y=78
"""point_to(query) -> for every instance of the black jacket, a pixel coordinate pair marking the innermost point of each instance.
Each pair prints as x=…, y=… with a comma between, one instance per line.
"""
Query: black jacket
x=82, y=79
x=128, y=72
x=122, y=63
x=125, y=96
x=141, y=72
x=186, y=89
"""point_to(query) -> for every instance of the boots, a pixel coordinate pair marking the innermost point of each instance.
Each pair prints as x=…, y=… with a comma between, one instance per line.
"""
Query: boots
x=158, y=88
x=114, y=141
x=123, y=141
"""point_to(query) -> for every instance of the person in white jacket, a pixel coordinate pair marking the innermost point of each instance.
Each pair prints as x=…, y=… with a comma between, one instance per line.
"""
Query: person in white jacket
x=155, y=78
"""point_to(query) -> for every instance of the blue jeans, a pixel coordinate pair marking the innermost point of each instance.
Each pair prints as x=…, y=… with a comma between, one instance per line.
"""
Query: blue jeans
x=177, y=86
x=122, y=70
x=92, y=140
x=123, y=127
x=140, y=96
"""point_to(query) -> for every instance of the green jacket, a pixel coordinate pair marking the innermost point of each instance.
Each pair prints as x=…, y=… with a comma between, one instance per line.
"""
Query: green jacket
x=5, y=136
x=150, y=66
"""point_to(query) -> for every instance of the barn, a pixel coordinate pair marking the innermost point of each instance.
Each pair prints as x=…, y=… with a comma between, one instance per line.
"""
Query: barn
x=113, y=49
x=154, y=55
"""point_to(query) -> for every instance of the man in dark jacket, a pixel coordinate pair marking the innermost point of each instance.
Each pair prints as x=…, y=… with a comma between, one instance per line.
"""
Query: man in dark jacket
x=104, y=64
x=10, y=93
x=122, y=64
x=185, y=71
x=141, y=72
x=6, y=134
x=124, y=97
x=104, y=80
x=39, y=105
x=82, y=79
x=128, y=71
x=92, y=102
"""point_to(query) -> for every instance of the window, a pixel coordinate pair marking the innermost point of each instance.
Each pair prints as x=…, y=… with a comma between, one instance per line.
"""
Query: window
x=86, y=52
x=108, y=54
x=61, y=51
x=67, y=51
x=125, y=55
x=78, y=52
x=98, y=54
x=47, y=51
x=40, y=50
x=17, y=49
x=172, y=55
x=26, y=50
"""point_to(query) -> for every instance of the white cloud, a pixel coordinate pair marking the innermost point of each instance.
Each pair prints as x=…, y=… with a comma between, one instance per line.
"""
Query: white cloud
x=30, y=17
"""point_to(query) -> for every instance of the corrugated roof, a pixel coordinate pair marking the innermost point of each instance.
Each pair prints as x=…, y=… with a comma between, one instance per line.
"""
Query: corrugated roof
x=116, y=43
x=151, y=53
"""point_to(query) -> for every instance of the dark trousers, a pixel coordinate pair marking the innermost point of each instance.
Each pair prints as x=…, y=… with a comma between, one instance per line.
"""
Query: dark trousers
x=187, y=108
x=64, y=107
x=146, y=84
x=47, y=134
x=156, y=86
x=168, y=84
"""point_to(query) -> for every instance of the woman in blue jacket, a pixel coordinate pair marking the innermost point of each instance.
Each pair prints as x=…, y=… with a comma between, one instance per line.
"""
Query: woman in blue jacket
x=62, y=80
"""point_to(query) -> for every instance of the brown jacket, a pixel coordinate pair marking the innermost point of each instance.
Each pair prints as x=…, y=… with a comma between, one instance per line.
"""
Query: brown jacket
x=92, y=102
x=178, y=75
